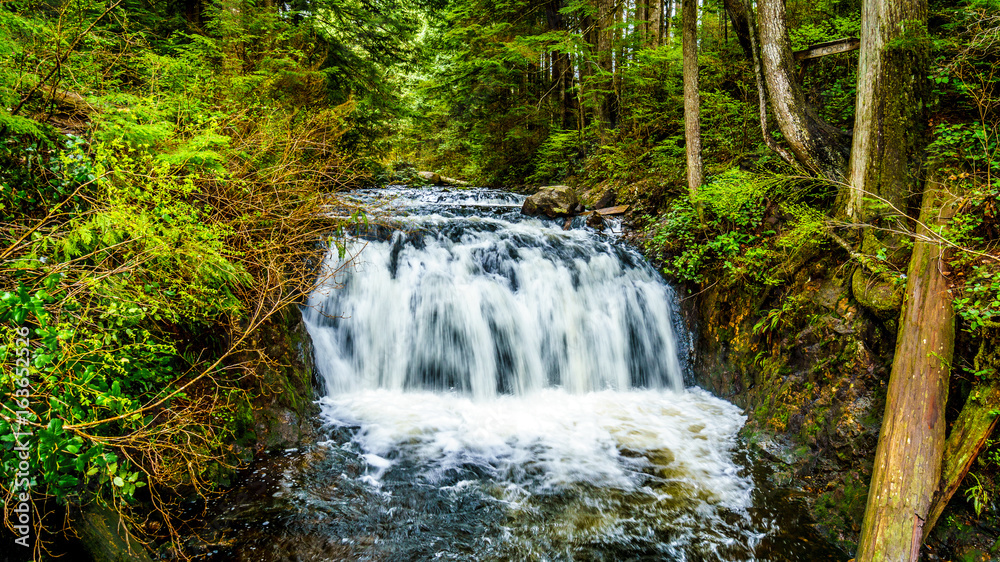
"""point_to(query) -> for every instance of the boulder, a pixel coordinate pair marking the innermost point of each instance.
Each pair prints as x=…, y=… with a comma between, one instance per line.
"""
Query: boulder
x=553, y=201
x=431, y=177
x=106, y=537
x=600, y=197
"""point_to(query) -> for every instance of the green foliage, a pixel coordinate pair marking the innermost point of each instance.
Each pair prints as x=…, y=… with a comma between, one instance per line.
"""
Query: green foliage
x=559, y=157
x=175, y=213
x=977, y=495
x=736, y=237
x=80, y=374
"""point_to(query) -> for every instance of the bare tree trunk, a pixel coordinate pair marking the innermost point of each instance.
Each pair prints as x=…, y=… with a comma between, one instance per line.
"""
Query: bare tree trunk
x=739, y=15
x=668, y=20
x=561, y=68
x=817, y=145
x=692, y=101
x=742, y=12
x=605, y=59
x=642, y=21
x=911, y=441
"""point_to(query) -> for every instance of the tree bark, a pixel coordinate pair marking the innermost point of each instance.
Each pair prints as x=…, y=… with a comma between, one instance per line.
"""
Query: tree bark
x=912, y=439
x=654, y=25
x=606, y=19
x=886, y=155
x=692, y=101
x=816, y=145
x=758, y=72
x=561, y=68
x=642, y=21
x=967, y=439
x=668, y=22
x=740, y=18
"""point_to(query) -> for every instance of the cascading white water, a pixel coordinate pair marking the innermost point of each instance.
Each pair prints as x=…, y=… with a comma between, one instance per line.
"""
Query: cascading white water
x=544, y=358
x=502, y=308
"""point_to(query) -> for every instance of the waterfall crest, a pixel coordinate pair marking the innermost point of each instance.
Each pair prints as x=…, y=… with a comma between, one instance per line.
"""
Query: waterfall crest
x=488, y=306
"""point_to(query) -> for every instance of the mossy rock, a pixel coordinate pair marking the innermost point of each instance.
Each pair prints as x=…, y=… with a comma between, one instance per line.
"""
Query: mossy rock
x=105, y=536
x=553, y=201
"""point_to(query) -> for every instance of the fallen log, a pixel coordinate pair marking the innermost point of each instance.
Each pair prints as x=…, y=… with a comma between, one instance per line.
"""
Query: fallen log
x=611, y=211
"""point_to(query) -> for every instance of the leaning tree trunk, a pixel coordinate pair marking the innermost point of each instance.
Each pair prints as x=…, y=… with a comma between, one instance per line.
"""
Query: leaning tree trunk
x=817, y=145
x=692, y=101
x=740, y=18
x=969, y=435
x=912, y=439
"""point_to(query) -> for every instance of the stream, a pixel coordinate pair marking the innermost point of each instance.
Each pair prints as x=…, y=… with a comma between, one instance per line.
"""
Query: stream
x=498, y=388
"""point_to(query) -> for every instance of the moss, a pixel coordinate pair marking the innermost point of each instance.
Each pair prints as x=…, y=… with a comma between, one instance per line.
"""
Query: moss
x=840, y=509
x=882, y=297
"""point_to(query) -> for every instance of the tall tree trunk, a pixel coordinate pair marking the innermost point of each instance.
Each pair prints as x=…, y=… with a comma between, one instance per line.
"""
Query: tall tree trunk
x=692, y=101
x=605, y=59
x=817, y=145
x=654, y=26
x=886, y=157
x=588, y=66
x=642, y=21
x=668, y=20
x=742, y=11
x=911, y=441
x=561, y=68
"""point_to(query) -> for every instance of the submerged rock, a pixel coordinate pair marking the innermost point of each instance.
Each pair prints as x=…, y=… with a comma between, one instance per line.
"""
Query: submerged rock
x=553, y=201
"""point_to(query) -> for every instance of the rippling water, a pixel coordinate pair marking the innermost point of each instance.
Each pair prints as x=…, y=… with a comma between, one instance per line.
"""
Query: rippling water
x=501, y=389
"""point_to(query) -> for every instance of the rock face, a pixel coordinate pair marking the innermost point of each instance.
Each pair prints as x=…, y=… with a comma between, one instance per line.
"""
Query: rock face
x=553, y=201
x=106, y=537
x=809, y=365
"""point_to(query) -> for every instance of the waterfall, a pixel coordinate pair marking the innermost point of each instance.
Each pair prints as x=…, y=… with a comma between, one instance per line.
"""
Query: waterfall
x=493, y=308
x=465, y=342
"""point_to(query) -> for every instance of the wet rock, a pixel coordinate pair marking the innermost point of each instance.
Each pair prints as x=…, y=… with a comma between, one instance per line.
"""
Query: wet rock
x=595, y=221
x=553, y=201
